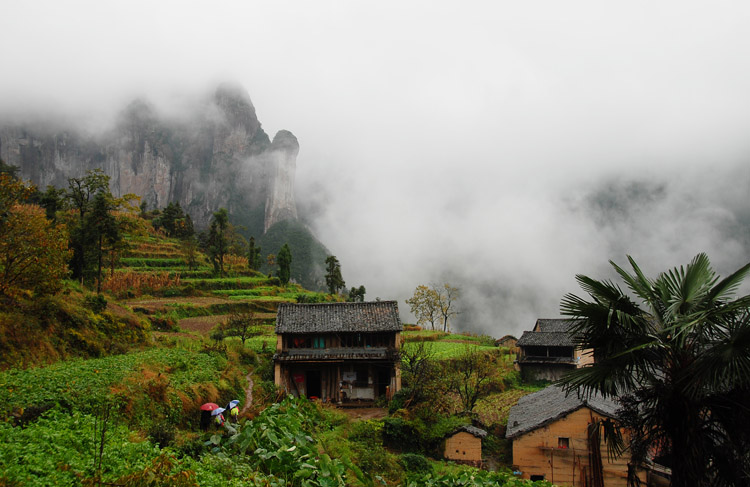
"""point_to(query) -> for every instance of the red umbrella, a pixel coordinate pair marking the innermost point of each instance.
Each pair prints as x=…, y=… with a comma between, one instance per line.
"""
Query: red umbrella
x=209, y=406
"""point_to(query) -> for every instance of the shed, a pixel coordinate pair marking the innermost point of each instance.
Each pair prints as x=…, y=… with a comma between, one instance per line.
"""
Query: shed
x=464, y=445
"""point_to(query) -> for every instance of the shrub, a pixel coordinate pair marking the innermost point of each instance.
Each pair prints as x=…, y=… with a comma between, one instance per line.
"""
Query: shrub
x=161, y=433
x=415, y=464
x=404, y=435
x=95, y=302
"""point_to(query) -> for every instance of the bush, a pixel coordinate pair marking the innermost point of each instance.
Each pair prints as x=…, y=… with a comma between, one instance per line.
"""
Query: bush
x=404, y=435
x=161, y=433
x=95, y=302
x=415, y=464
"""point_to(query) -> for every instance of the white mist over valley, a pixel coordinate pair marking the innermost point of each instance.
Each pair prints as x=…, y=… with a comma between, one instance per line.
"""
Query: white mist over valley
x=503, y=148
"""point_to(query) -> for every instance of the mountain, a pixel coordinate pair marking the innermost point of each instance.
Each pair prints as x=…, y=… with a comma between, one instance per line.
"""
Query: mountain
x=216, y=154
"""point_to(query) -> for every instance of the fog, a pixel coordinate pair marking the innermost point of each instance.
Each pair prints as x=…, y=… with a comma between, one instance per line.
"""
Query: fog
x=498, y=146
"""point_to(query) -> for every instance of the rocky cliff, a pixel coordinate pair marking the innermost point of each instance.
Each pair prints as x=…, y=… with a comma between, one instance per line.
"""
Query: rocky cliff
x=217, y=156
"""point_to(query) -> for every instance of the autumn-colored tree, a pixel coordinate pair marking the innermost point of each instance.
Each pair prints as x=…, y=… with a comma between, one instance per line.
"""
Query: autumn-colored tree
x=424, y=305
x=434, y=303
x=33, y=253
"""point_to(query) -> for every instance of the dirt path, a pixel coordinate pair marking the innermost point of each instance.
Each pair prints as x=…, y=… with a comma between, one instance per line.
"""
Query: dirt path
x=248, y=394
x=365, y=413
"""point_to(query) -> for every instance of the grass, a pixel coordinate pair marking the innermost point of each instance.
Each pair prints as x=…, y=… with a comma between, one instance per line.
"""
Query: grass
x=445, y=350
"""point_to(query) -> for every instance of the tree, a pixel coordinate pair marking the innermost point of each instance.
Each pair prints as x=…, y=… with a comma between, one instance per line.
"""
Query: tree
x=447, y=296
x=102, y=228
x=678, y=357
x=218, y=244
x=424, y=305
x=33, y=251
x=356, y=294
x=242, y=325
x=284, y=260
x=175, y=221
x=334, y=280
x=80, y=195
x=190, y=252
x=422, y=375
x=254, y=260
x=471, y=376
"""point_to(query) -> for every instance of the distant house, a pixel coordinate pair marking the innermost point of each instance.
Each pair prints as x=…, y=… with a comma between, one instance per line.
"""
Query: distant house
x=550, y=433
x=338, y=352
x=550, y=350
x=508, y=341
x=464, y=445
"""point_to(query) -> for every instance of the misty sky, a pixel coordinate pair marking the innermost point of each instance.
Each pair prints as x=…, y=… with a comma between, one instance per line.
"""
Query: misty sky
x=500, y=146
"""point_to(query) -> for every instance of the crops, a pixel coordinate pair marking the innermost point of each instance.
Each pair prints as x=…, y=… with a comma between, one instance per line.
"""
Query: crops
x=81, y=384
x=137, y=282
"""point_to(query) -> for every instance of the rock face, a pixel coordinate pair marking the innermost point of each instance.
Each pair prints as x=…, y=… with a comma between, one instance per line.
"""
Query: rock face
x=283, y=164
x=218, y=156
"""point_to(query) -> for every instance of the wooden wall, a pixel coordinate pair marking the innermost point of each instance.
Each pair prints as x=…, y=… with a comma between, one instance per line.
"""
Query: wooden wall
x=538, y=453
x=463, y=446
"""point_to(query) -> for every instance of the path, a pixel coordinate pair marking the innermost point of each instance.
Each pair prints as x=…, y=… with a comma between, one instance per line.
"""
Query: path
x=248, y=394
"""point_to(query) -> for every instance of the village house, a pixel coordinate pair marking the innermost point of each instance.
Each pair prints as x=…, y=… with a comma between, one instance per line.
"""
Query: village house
x=550, y=351
x=343, y=353
x=464, y=445
x=550, y=434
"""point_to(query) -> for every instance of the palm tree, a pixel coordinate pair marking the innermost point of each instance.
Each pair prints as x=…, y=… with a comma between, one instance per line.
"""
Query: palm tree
x=676, y=351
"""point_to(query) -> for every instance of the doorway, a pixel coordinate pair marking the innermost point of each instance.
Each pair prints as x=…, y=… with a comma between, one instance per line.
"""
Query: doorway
x=313, y=384
x=384, y=380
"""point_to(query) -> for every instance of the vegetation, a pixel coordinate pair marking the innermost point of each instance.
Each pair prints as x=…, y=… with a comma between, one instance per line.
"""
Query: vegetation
x=679, y=361
x=334, y=280
x=284, y=261
x=434, y=304
x=102, y=377
x=33, y=250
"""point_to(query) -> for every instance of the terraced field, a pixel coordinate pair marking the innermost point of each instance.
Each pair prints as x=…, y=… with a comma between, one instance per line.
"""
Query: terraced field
x=155, y=281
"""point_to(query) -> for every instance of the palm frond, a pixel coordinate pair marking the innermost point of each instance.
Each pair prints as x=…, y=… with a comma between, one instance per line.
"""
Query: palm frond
x=728, y=286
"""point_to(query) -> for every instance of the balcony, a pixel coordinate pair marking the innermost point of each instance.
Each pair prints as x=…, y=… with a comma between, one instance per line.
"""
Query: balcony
x=336, y=354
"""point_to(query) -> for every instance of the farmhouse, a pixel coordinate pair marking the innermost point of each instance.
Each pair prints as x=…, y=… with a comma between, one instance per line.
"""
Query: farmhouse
x=338, y=352
x=551, y=441
x=550, y=351
x=464, y=445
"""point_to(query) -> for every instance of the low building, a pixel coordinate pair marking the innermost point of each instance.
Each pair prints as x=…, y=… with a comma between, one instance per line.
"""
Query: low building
x=338, y=352
x=508, y=341
x=549, y=351
x=464, y=445
x=551, y=441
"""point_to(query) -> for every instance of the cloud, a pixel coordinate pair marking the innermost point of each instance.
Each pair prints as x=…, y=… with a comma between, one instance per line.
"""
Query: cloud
x=474, y=143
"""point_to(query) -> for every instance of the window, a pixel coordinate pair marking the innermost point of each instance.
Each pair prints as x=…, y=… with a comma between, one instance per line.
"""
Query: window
x=563, y=442
x=537, y=477
x=319, y=342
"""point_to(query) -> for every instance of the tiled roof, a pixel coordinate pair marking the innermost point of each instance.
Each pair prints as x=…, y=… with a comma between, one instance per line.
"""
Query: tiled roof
x=472, y=430
x=553, y=325
x=550, y=404
x=546, y=339
x=338, y=317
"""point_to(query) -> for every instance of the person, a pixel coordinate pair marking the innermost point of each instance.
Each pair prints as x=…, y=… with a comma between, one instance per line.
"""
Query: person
x=218, y=417
x=234, y=411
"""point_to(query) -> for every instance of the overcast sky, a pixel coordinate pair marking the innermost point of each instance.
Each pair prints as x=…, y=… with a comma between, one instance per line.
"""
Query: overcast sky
x=500, y=146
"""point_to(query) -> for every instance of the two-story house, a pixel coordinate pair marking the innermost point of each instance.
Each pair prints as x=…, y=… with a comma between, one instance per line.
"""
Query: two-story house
x=550, y=351
x=338, y=352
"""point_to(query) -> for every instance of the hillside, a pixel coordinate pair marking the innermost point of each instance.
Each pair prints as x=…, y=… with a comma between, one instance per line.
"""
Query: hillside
x=107, y=389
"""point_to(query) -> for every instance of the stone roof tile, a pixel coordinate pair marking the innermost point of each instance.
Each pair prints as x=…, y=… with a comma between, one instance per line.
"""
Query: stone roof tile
x=550, y=404
x=371, y=316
